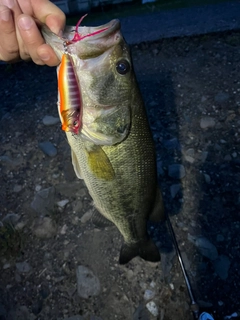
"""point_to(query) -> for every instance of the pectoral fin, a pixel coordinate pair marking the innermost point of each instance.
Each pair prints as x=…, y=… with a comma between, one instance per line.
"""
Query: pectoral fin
x=99, y=163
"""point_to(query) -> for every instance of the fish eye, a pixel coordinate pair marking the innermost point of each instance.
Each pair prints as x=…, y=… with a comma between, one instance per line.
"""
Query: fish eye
x=122, y=66
x=75, y=123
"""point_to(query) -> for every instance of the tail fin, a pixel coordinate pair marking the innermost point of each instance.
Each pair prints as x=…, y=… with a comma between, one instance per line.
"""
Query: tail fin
x=147, y=250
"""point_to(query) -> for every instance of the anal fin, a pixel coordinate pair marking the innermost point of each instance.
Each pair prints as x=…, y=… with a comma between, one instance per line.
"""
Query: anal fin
x=100, y=221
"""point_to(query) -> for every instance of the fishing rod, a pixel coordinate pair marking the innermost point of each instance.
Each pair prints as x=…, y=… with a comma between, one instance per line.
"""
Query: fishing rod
x=194, y=305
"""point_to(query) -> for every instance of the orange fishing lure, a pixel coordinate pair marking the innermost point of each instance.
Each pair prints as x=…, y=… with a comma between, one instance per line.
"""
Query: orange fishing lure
x=70, y=104
x=70, y=100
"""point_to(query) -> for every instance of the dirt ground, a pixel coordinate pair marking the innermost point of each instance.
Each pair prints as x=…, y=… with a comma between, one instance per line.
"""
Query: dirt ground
x=191, y=87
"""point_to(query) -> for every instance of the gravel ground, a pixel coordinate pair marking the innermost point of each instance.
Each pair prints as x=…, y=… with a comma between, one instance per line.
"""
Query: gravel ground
x=54, y=263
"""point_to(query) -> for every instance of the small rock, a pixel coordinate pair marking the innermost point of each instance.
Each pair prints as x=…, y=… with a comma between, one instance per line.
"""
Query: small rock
x=205, y=247
x=185, y=260
x=160, y=168
x=190, y=152
x=220, y=238
x=176, y=171
x=166, y=262
x=227, y=158
x=37, y=306
x=221, y=97
x=141, y=313
x=207, y=178
x=204, y=155
x=148, y=294
x=172, y=144
x=174, y=189
x=152, y=308
x=43, y=202
x=44, y=228
x=88, y=284
x=62, y=203
x=50, y=120
x=221, y=266
x=189, y=159
x=6, y=265
x=48, y=148
x=23, y=267
x=87, y=216
x=11, y=218
x=207, y=122
x=38, y=187
x=17, y=188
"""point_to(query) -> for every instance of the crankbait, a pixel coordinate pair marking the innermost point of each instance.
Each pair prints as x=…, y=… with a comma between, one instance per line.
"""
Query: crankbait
x=70, y=100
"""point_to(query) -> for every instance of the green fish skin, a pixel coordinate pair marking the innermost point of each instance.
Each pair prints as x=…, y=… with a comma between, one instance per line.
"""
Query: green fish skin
x=114, y=150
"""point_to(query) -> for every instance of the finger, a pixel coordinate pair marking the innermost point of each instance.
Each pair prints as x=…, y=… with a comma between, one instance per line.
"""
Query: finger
x=9, y=49
x=49, y=14
x=47, y=55
x=29, y=39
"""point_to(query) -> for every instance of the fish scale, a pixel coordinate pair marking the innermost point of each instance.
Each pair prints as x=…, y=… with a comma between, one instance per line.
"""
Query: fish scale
x=114, y=150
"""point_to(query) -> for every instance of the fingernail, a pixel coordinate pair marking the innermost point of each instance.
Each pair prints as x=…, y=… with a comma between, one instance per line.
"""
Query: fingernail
x=44, y=57
x=25, y=23
x=8, y=3
x=5, y=15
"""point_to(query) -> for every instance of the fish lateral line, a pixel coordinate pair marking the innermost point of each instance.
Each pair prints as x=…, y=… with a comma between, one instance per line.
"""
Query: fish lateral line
x=78, y=37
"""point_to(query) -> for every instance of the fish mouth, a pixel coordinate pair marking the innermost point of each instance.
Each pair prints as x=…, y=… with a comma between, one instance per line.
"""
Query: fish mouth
x=92, y=33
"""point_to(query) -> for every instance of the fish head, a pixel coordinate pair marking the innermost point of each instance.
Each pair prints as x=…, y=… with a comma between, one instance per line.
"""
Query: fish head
x=103, y=66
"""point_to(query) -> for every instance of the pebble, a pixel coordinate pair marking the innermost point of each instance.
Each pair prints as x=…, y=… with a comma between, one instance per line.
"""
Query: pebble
x=189, y=159
x=172, y=144
x=221, y=266
x=44, y=228
x=17, y=188
x=88, y=284
x=221, y=97
x=220, y=238
x=11, y=218
x=174, y=189
x=160, y=168
x=166, y=262
x=176, y=171
x=148, y=294
x=23, y=267
x=204, y=156
x=38, y=187
x=50, y=120
x=152, y=308
x=207, y=178
x=207, y=122
x=48, y=148
x=43, y=202
x=227, y=158
x=206, y=248
x=62, y=203
x=87, y=216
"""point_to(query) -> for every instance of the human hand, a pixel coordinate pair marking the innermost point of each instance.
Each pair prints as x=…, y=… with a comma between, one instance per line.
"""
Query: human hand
x=20, y=37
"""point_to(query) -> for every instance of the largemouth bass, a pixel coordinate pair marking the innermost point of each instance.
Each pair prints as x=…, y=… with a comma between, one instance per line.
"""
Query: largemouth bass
x=103, y=114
